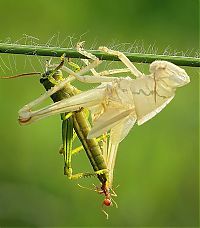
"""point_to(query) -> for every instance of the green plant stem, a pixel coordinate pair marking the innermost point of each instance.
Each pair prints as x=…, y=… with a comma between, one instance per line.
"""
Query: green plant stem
x=72, y=53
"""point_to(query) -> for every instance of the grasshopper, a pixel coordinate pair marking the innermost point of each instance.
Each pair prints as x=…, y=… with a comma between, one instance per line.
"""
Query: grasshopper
x=117, y=104
x=77, y=120
x=80, y=123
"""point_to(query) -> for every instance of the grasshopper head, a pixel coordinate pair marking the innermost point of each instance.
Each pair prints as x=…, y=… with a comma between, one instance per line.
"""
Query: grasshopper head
x=170, y=73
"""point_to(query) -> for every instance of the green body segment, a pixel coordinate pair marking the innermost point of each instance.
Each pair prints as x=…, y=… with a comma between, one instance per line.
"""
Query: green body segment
x=81, y=124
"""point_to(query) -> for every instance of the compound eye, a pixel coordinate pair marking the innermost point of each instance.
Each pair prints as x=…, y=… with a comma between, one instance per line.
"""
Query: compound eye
x=107, y=202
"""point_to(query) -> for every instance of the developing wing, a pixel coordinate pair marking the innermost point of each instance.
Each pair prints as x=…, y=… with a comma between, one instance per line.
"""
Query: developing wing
x=150, y=97
x=117, y=134
x=107, y=121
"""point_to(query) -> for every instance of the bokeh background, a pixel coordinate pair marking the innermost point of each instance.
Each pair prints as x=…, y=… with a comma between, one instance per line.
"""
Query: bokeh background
x=157, y=164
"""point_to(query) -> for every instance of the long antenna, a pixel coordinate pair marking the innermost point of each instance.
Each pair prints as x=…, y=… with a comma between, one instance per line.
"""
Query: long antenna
x=21, y=75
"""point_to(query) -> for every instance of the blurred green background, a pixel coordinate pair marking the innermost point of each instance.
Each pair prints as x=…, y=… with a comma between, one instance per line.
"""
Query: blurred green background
x=157, y=164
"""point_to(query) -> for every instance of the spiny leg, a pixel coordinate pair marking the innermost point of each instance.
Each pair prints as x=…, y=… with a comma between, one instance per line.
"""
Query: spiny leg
x=61, y=150
x=81, y=50
x=114, y=71
x=73, y=65
x=105, y=213
x=98, y=78
x=80, y=148
x=94, y=72
x=85, y=174
x=67, y=136
x=106, y=72
x=58, y=67
x=114, y=194
x=89, y=78
x=116, y=205
x=124, y=59
x=66, y=117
